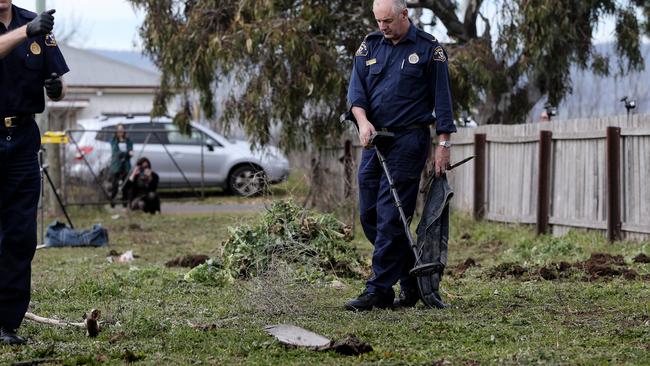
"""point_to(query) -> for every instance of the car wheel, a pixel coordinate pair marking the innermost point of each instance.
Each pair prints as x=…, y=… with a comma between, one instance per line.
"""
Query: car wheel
x=246, y=181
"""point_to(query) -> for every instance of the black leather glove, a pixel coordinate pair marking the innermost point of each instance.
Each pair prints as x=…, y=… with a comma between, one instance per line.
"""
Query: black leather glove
x=54, y=86
x=41, y=25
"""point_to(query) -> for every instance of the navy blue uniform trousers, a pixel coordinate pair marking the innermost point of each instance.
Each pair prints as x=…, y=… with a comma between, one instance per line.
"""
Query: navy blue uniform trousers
x=392, y=257
x=19, y=194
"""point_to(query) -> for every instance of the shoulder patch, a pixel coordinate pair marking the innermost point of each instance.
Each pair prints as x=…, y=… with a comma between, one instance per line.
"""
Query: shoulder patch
x=49, y=40
x=439, y=54
x=363, y=49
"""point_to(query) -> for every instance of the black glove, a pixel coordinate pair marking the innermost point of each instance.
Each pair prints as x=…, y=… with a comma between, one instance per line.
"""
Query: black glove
x=54, y=86
x=41, y=25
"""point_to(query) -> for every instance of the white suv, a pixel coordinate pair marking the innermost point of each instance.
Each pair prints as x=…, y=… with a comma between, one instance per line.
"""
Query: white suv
x=176, y=157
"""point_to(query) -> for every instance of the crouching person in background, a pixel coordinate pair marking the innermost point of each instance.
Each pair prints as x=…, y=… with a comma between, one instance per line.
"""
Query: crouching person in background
x=142, y=186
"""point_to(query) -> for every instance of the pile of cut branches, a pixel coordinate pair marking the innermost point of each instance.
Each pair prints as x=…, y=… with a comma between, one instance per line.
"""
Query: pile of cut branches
x=313, y=245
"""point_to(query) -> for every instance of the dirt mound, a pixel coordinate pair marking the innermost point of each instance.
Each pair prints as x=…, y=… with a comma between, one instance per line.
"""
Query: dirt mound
x=598, y=266
x=188, y=261
x=641, y=258
x=507, y=270
x=603, y=265
x=460, y=269
x=604, y=259
x=351, y=346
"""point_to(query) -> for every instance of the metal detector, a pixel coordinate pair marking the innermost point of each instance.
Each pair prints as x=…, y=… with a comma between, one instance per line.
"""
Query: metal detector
x=428, y=274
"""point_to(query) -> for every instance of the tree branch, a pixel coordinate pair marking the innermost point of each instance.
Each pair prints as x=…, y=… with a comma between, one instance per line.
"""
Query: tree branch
x=445, y=10
x=471, y=14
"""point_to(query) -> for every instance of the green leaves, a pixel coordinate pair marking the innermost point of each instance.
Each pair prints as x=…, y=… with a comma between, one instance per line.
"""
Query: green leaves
x=291, y=60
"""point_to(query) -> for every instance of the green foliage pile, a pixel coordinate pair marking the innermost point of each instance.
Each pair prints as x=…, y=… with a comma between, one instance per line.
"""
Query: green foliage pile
x=312, y=245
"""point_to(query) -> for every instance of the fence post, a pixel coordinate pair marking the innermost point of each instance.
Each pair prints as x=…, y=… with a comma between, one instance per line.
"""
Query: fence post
x=348, y=167
x=544, y=181
x=613, y=183
x=480, y=141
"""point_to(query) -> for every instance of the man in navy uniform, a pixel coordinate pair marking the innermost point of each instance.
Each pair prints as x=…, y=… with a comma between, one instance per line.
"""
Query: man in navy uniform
x=400, y=77
x=29, y=62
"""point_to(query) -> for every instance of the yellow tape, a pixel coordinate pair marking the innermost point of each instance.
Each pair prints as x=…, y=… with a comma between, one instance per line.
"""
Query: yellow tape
x=54, y=137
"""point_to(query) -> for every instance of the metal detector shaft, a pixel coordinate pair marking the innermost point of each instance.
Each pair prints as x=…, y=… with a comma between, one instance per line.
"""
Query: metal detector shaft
x=398, y=203
x=58, y=198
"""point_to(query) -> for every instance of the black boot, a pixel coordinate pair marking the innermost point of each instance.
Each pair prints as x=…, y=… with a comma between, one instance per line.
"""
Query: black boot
x=9, y=336
x=370, y=300
x=407, y=298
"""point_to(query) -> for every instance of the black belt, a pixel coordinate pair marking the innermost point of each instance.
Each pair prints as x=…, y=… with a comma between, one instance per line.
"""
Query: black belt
x=15, y=121
x=401, y=129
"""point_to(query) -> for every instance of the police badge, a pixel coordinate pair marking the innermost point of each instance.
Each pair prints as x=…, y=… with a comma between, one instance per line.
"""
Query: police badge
x=35, y=48
x=363, y=49
x=439, y=54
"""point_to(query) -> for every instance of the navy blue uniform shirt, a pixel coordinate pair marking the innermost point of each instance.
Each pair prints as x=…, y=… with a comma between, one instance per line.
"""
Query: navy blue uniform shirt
x=24, y=70
x=402, y=85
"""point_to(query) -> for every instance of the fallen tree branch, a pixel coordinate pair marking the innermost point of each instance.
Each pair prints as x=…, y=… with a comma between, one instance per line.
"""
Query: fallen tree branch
x=90, y=323
x=61, y=323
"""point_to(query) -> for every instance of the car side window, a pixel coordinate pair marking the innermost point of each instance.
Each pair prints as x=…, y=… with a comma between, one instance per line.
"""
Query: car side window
x=151, y=133
x=105, y=134
x=195, y=138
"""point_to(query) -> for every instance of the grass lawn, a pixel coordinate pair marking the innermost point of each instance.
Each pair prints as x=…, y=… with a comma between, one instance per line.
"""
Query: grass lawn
x=499, y=315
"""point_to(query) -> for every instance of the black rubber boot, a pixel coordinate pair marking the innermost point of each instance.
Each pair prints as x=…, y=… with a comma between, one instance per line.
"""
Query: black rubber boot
x=9, y=336
x=370, y=300
x=407, y=298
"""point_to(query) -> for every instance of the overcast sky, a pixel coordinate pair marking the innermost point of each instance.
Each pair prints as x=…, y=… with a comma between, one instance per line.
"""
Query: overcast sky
x=113, y=24
x=107, y=24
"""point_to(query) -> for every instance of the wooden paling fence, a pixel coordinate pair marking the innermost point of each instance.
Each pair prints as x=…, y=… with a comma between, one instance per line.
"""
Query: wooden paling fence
x=556, y=175
x=559, y=175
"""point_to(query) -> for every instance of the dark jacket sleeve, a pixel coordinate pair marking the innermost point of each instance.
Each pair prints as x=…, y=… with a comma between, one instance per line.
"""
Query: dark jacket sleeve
x=439, y=84
x=357, y=90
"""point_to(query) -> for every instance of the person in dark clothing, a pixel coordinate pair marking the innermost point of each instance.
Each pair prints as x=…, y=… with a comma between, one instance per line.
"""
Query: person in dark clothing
x=121, y=153
x=30, y=61
x=142, y=186
x=400, y=76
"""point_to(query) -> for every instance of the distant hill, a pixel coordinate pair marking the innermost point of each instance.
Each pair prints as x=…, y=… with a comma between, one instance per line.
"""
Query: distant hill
x=595, y=96
x=592, y=96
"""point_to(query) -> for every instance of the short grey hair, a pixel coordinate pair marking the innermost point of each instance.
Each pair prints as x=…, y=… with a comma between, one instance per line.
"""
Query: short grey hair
x=398, y=5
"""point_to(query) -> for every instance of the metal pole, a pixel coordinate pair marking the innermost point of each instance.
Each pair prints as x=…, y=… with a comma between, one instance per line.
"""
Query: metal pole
x=40, y=6
x=202, y=164
x=480, y=142
x=398, y=204
x=543, y=183
x=614, y=183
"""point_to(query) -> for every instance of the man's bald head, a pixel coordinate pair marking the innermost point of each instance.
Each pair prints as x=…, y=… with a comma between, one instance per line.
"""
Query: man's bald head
x=392, y=18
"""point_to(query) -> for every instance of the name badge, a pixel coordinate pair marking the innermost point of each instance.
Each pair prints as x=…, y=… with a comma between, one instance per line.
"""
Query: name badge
x=371, y=62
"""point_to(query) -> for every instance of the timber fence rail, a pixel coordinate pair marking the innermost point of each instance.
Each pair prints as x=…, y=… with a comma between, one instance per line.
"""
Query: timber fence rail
x=555, y=175
x=559, y=175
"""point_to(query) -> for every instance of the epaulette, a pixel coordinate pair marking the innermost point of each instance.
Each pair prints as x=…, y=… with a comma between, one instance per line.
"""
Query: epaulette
x=426, y=36
x=375, y=34
x=26, y=13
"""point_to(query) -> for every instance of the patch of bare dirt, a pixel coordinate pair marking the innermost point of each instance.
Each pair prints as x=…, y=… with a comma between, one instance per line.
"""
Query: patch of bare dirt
x=642, y=258
x=351, y=346
x=504, y=270
x=188, y=261
x=599, y=266
x=460, y=269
